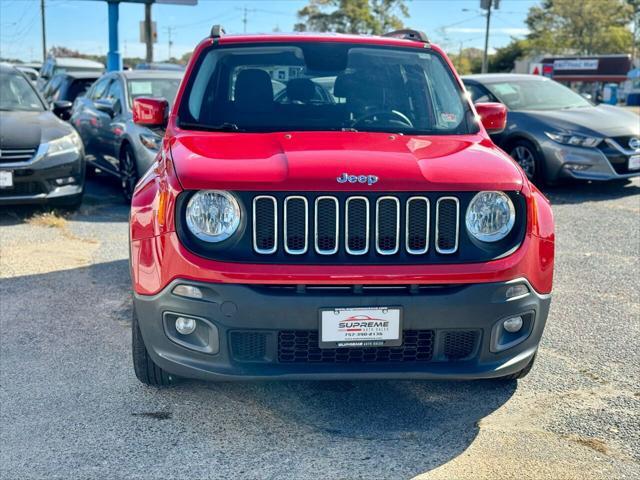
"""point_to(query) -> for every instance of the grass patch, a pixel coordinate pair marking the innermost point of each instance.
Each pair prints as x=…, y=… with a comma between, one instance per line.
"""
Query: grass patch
x=48, y=219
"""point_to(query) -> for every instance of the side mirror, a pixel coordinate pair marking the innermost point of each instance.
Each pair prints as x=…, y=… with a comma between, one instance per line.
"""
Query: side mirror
x=493, y=116
x=150, y=112
x=104, y=106
x=62, y=109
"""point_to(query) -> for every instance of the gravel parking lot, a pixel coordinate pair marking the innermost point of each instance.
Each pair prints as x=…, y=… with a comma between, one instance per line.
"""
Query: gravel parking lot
x=72, y=408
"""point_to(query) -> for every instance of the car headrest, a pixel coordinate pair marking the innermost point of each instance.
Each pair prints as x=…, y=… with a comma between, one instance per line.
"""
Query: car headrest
x=301, y=89
x=253, y=90
x=344, y=85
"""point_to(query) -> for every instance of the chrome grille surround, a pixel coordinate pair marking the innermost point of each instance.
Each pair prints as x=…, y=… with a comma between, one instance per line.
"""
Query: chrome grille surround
x=326, y=233
x=304, y=249
x=265, y=251
x=447, y=251
x=319, y=250
x=415, y=251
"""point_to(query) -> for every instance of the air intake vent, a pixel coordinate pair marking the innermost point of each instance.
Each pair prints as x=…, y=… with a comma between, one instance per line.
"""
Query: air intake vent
x=326, y=221
x=357, y=225
x=248, y=346
x=417, y=223
x=296, y=225
x=16, y=155
x=387, y=225
x=459, y=345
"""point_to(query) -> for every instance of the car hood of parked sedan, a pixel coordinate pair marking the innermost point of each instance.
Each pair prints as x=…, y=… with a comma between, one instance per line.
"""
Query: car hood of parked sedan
x=601, y=120
x=29, y=129
x=315, y=161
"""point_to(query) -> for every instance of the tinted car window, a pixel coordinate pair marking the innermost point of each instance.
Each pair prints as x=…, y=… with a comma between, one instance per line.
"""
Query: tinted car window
x=328, y=86
x=153, y=87
x=478, y=94
x=18, y=94
x=100, y=88
x=115, y=94
x=536, y=95
x=78, y=88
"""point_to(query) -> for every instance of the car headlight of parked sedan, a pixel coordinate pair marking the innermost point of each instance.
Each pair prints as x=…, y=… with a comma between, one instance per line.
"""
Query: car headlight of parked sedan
x=575, y=139
x=213, y=215
x=490, y=216
x=71, y=143
x=150, y=140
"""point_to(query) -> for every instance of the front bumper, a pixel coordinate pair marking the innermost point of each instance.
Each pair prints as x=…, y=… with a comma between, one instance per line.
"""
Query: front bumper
x=262, y=318
x=597, y=164
x=34, y=181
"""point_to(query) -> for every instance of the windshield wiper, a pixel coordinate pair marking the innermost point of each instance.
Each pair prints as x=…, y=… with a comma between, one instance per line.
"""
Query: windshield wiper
x=223, y=127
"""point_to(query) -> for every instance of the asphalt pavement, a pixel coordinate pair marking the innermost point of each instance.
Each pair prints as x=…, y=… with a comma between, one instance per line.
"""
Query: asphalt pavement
x=71, y=407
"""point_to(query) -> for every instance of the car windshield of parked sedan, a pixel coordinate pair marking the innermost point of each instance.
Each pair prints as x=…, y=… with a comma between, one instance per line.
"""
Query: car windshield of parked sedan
x=16, y=93
x=536, y=95
x=324, y=86
x=153, y=87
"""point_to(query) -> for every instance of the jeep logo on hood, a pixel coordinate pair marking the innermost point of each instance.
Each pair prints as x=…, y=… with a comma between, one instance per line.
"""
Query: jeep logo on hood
x=368, y=179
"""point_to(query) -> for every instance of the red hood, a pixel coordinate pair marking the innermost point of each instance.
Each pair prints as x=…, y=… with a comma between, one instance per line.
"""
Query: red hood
x=314, y=160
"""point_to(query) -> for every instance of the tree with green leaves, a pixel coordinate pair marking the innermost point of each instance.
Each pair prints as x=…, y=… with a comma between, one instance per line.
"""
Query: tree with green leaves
x=352, y=16
x=584, y=27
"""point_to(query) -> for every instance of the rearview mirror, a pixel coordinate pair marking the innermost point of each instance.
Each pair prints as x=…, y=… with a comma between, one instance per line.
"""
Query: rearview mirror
x=150, y=112
x=493, y=116
x=104, y=106
x=62, y=109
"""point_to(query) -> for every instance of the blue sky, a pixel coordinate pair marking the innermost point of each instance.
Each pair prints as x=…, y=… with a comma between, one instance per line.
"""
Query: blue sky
x=82, y=24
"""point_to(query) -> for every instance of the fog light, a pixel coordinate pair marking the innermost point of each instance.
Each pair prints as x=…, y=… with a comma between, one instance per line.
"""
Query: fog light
x=65, y=180
x=188, y=291
x=577, y=167
x=516, y=291
x=511, y=325
x=186, y=326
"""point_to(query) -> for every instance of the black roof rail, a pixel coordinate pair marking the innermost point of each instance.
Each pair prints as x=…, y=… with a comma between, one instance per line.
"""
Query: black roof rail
x=217, y=31
x=408, y=34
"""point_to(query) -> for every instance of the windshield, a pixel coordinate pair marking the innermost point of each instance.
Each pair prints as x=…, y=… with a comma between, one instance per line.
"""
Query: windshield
x=16, y=93
x=153, y=87
x=536, y=95
x=324, y=86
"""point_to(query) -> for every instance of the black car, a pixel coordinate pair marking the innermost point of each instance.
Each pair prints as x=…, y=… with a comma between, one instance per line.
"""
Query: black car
x=67, y=87
x=41, y=157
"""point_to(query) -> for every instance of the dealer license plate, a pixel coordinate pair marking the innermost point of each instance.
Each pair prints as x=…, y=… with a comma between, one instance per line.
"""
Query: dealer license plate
x=6, y=179
x=360, y=327
x=634, y=162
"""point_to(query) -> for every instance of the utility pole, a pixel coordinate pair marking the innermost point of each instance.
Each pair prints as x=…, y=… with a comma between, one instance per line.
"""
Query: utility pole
x=169, y=29
x=244, y=19
x=44, y=33
x=485, y=56
x=148, y=32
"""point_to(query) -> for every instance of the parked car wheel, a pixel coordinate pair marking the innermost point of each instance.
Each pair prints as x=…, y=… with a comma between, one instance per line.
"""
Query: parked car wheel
x=128, y=172
x=527, y=156
x=144, y=367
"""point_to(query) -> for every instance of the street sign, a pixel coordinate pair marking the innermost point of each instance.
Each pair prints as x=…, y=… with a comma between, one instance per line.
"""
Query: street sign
x=154, y=33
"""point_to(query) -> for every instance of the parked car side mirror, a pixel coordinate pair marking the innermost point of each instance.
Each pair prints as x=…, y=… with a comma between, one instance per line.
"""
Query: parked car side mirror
x=493, y=116
x=150, y=112
x=62, y=109
x=104, y=106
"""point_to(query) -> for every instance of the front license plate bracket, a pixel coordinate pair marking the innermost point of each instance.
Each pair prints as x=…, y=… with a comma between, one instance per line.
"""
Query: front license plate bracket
x=360, y=327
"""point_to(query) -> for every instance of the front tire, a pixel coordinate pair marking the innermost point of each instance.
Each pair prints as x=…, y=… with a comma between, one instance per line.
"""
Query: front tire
x=527, y=156
x=128, y=172
x=144, y=367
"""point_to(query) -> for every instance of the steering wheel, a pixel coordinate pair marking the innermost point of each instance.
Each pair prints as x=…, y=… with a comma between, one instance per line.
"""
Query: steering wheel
x=388, y=114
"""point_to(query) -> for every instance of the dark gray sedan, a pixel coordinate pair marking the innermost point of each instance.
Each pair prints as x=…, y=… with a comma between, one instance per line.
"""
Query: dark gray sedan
x=554, y=133
x=103, y=117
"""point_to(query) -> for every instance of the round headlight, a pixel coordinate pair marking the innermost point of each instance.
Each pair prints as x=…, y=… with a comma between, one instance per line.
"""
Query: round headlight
x=490, y=216
x=213, y=215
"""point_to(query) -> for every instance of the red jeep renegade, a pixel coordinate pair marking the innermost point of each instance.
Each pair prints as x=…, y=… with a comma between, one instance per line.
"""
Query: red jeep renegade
x=331, y=206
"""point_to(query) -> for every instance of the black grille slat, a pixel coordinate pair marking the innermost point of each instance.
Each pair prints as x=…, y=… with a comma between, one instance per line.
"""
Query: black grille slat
x=459, y=345
x=357, y=225
x=387, y=225
x=301, y=346
x=447, y=225
x=248, y=346
x=417, y=225
x=326, y=224
x=265, y=225
x=16, y=155
x=296, y=225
